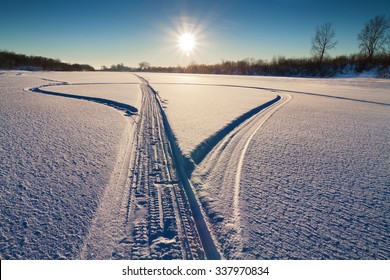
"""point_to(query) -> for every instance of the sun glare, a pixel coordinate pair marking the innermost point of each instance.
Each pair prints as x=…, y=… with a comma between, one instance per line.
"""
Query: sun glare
x=187, y=42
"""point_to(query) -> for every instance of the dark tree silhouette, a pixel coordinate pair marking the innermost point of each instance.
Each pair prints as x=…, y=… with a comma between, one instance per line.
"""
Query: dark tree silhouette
x=10, y=60
x=323, y=41
x=374, y=37
x=144, y=65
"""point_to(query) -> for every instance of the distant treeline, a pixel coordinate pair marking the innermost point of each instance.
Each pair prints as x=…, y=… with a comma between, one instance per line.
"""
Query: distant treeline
x=278, y=66
x=119, y=67
x=13, y=61
x=373, y=41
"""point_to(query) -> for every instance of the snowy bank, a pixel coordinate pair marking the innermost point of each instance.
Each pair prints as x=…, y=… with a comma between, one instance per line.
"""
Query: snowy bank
x=57, y=157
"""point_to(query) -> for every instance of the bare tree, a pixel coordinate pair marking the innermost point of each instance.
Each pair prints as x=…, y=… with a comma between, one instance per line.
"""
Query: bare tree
x=323, y=40
x=144, y=65
x=374, y=36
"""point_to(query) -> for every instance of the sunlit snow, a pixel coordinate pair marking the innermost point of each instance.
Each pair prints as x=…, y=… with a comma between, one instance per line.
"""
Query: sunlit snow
x=305, y=177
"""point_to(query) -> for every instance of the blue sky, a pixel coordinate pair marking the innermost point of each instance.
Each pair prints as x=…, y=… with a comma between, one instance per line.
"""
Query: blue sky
x=110, y=32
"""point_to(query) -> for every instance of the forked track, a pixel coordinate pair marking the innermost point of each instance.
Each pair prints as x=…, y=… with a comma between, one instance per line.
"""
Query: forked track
x=259, y=121
x=221, y=171
x=149, y=210
x=156, y=220
x=189, y=217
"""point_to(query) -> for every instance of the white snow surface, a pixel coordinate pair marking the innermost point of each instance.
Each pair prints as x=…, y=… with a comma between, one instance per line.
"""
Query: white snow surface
x=86, y=77
x=314, y=179
x=315, y=182
x=57, y=156
x=369, y=89
x=195, y=112
x=307, y=178
x=129, y=94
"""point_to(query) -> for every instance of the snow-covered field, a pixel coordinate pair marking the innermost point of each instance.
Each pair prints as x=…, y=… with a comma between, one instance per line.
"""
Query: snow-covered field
x=57, y=156
x=312, y=181
x=304, y=176
x=313, y=184
x=195, y=107
x=129, y=94
x=369, y=89
x=87, y=77
x=316, y=184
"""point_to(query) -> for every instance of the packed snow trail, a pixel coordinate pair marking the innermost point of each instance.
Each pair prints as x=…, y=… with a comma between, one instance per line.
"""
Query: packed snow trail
x=129, y=109
x=148, y=210
x=315, y=182
x=56, y=159
x=282, y=90
x=221, y=169
x=155, y=216
x=177, y=169
x=259, y=122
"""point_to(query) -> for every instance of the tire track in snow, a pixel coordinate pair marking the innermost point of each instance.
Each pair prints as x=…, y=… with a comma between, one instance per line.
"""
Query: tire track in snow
x=93, y=247
x=144, y=212
x=205, y=147
x=180, y=173
x=130, y=110
x=282, y=90
x=105, y=228
x=217, y=178
x=152, y=219
x=220, y=146
x=269, y=112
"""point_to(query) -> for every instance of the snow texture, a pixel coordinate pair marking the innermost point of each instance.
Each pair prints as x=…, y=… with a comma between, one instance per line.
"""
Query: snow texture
x=314, y=180
x=147, y=215
x=366, y=89
x=196, y=107
x=128, y=94
x=87, y=77
x=129, y=204
x=56, y=157
x=315, y=183
x=306, y=177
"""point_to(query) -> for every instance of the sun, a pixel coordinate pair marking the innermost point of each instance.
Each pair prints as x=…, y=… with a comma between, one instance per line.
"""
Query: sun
x=187, y=42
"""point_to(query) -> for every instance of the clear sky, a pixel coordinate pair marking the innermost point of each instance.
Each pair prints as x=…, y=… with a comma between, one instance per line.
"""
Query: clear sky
x=106, y=32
